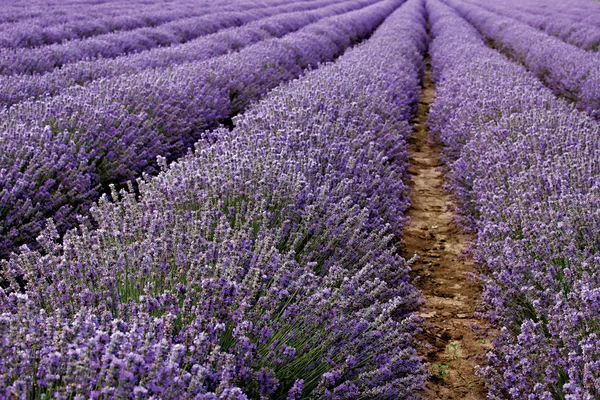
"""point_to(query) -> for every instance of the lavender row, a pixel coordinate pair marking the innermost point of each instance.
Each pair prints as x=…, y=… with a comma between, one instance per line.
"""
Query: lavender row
x=566, y=28
x=34, y=33
x=20, y=87
x=258, y=267
x=524, y=168
x=583, y=11
x=47, y=58
x=61, y=153
x=569, y=71
x=46, y=14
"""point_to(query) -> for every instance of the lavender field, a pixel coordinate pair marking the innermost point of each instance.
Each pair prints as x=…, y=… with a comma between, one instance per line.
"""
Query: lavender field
x=300, y=199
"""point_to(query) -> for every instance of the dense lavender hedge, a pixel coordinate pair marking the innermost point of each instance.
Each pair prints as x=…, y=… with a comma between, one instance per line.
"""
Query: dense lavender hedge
x=584, y=11
x=564, y=27
x=47, y=13
x=260, y=266
x=48, y=29
x=569, y=71
x=47, y=58
x=61, y=153
x=525, y=170
x=285, y=19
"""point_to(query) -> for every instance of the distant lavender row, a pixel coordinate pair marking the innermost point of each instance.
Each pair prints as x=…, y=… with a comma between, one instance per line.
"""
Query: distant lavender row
x=563, y=27
x=60, y=153
x=32, y=33
x=525, y=171
x=46, y=58
x=20, y=87
x=258, y=267
x=584, y=11
x=569, y=71
x=50, y=14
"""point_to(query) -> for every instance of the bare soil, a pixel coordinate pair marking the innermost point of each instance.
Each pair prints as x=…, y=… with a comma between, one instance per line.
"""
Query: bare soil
x=453, y=339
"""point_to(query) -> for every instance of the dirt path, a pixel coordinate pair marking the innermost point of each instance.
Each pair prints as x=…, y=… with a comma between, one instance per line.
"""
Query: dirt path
x=452, y=346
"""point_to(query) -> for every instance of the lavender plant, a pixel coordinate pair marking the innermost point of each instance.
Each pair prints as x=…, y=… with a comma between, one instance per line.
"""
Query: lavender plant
x=580, y=10
x=523, y=167
x=260, y=266
x=51, y=28
x=285, y=19
x=62, y=153
x=46, y=58
x=48, y=13
x=569, y=71
x=565, y=27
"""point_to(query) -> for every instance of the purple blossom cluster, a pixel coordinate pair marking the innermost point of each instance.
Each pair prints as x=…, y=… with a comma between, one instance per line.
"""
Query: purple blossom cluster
x=47, y=58
x=569, y=71
x=60, y=154
x=284, y=19
x=524, y=168
x=261, y=266
x=565, y=27
x=55, y=27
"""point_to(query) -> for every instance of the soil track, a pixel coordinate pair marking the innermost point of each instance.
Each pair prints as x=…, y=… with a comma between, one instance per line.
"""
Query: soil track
x=451, y=344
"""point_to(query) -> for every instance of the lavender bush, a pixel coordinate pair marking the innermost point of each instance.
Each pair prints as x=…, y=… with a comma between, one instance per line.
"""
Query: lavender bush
x=44, y=14
x=260, y=266
x=51, y=28
x=583, y=11
x=62, y=153
x=565, y=27
x=46, y=58
x=285, y=19
x=523, y=167
x=569, y=71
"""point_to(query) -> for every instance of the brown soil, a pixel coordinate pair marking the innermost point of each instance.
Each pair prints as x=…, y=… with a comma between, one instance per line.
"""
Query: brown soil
x=451, y=345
